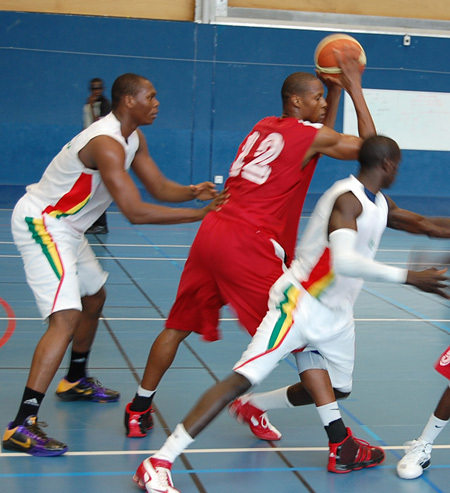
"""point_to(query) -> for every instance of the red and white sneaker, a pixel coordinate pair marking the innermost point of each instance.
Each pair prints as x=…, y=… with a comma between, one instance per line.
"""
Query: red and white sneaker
x=153, y=475
x=257, y=419
x=136, y=423
x=353, y=454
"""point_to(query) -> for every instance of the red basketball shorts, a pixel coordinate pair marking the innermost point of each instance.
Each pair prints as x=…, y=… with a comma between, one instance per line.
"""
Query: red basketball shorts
x=442, y=365
x=229, y=264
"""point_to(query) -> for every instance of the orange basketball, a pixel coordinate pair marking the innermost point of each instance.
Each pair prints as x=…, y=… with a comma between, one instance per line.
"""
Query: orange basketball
x=324, y=56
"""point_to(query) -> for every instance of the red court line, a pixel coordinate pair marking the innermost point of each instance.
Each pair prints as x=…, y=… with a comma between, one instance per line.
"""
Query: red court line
x=11, y=322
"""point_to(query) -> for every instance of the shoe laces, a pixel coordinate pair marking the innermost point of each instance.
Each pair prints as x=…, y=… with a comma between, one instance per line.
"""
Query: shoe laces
x=418, y=452
x=163, y=476
x=35, y=428
x=93, y=382
x=363, y=449
x=264, y=421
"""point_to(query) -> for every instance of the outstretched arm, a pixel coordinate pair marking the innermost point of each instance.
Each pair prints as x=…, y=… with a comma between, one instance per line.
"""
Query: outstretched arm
x=347, y=261
x=161, y=187
x=411, y=222
x=108, y=156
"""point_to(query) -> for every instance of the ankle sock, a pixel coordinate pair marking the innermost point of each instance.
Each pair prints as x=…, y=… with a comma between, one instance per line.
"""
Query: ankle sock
x=77, y=368
x=29, y=406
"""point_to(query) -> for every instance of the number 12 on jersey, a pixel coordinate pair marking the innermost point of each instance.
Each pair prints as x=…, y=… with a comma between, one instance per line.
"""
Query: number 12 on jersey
x=257, y=169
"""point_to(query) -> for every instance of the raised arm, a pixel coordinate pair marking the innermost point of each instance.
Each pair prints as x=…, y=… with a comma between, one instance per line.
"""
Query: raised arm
x=331, y=143
x=333, y=97
x=107, y=155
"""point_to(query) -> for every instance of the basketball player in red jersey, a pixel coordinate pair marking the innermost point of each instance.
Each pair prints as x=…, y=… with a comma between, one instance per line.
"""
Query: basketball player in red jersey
x=240, y=251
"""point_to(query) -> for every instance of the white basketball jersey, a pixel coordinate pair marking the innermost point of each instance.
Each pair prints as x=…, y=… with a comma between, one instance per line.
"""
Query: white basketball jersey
x=313, y=265
x=71, y=192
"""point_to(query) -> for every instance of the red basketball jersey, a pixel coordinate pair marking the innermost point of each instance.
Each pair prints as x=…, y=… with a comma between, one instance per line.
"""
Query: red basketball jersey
x=267, y=183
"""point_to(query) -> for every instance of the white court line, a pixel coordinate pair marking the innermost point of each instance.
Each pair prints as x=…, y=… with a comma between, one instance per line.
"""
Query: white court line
x=131, y=245
x=167, y=259
x=207, y=451
x=159, y=319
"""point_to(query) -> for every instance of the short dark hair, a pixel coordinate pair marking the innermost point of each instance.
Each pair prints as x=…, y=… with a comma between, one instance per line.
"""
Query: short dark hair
x=125, y=85
x=296, y=84
x=96, y=80
x=376, y=149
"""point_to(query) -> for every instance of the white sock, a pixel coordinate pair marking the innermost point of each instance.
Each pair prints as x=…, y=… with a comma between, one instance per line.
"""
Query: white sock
x=276, y=399
x=141, y=392
x=329, y=413
x=432, y=429
x=175, y=444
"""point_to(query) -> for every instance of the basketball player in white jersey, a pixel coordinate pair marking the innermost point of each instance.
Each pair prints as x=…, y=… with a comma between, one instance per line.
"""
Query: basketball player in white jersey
x=48, y=225
x=311, y=312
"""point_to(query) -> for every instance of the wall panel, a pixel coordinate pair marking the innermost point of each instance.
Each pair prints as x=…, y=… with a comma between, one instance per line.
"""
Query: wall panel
x=436, y=10
x=176, y=10
x=213, y=81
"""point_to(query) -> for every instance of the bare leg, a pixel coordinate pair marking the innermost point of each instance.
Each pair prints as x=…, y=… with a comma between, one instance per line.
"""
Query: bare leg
x=51, y=349
x=213, y=402
x=318, y=385
x=298, y=395
x=161, y=356
x=87, y=326
x=443, y=408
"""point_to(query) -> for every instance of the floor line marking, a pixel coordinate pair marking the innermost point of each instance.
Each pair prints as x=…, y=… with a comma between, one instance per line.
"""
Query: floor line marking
x=207, y=451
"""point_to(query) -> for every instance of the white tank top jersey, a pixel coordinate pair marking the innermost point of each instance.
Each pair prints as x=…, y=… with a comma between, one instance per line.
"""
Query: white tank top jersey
x=313, y=265
x=71, y=192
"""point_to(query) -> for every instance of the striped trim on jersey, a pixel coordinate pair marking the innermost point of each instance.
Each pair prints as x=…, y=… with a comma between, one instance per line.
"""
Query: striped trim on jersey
x=321, y=277
x=74, y=200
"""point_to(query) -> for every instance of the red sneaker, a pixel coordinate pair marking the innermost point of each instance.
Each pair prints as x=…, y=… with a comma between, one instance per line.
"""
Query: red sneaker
x=353, y=454
x=154, y=476
x=257, y=419
x=137, y=423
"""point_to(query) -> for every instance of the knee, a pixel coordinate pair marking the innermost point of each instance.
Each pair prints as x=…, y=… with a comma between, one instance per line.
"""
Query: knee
x=173, y=336
x=234, y=386
x=341, y=395
x=93, y=304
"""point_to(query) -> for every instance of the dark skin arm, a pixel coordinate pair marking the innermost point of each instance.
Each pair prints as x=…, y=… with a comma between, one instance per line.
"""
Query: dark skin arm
x=107, y=155
x=348, y=208
x=402, y=219
x=162, y=188
x=334, y=144
x=434, y=227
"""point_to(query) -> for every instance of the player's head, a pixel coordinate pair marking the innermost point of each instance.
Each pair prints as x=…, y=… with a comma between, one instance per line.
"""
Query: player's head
x=125, y=85
x=302, y=94
x=381, y=152
x=136, y=96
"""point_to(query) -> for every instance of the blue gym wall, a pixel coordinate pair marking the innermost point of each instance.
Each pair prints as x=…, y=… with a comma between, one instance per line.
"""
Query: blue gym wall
x=213, y=83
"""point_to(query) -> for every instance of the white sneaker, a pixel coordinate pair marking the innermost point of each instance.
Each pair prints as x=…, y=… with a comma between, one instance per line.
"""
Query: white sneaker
x=417, y=458
x=154, y=476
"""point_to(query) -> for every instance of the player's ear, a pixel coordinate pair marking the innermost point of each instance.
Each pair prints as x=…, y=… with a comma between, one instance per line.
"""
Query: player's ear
x=296, y=101
x=387, y=165
x=128, y=100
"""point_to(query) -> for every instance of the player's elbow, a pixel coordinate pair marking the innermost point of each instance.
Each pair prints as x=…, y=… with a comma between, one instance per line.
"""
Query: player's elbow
x=134, y=215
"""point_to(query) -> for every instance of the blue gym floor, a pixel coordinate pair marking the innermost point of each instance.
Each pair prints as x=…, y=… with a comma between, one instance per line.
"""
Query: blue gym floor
x=400, y=334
